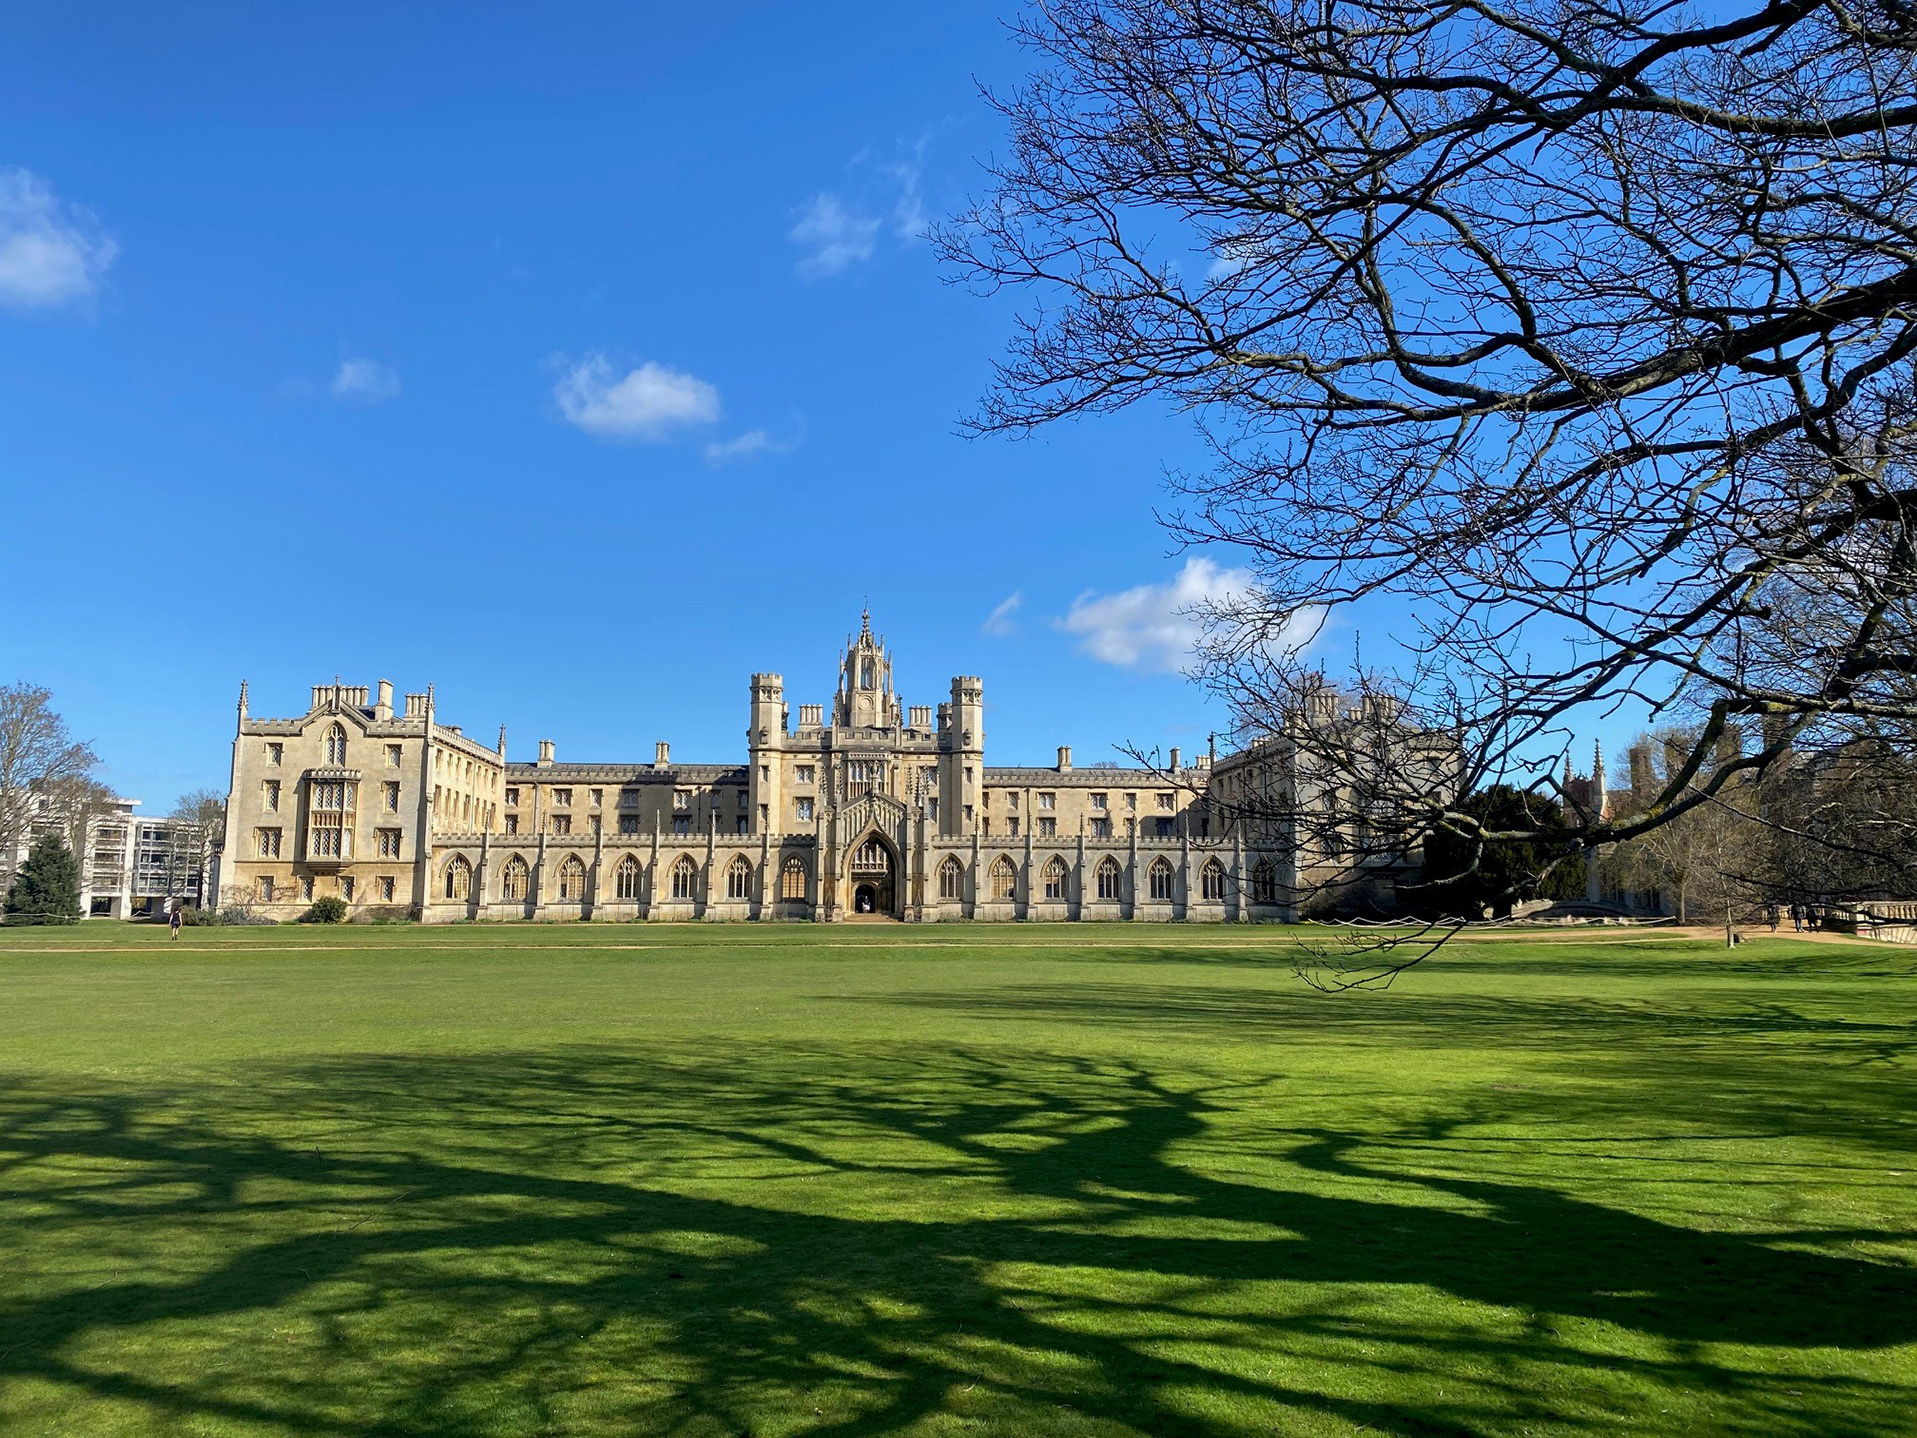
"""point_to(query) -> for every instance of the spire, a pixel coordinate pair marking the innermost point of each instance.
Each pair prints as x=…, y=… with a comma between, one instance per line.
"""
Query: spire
x=242, y=699
x=502, y=741
x=865, y=620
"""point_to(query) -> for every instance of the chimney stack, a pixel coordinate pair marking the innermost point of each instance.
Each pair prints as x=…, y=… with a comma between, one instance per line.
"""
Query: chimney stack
x=545, y=751
x=384, y=709
x=1064, y=758
x=662, y=755
x=1176, y=756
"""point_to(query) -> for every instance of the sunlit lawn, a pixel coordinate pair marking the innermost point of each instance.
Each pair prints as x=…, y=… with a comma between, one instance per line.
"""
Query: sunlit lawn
x=729, y=1180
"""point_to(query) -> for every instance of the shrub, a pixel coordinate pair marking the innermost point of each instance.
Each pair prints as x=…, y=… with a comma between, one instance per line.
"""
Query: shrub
x=240, y=914
x=195, y=918
x=328, y=910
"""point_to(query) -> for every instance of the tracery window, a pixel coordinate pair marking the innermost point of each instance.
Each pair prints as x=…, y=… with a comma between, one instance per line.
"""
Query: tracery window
x=330, y=820
x=459, y=878
x=1264, y=882
x=625, y=878
x=1160, y=880
x=336, y=744
x=685, y=878
x=951, y=879
x=792, y=880
x=514, y=879
x=870, y=855
x=1111, y=880
x=739, y=879
x=1057, y=879
x=1004, y=878
x=572, y=879
x=1211, y=880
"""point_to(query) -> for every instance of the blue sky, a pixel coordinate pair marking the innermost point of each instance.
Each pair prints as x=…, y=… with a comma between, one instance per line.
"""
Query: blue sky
x=578, y=359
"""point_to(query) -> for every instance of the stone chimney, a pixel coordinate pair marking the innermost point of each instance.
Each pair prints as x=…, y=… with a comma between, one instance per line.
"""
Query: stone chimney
x=1176, y=756
x=545, y=751
x=384, y=708
x=1064, y=758
x=662, y=755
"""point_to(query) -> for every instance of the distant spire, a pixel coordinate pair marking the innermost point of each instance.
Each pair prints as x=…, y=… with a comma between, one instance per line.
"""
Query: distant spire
x=242, y=699
x=865, y=620
x=502, y=741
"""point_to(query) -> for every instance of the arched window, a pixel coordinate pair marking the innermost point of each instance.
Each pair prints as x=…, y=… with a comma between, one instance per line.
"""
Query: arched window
x=865, y=674
x=951, y=880
x=1111, y=880
x=871, y=855
x=1058, y=878
x=572, y=879
x=336, y=744
x=459, y=878
x=514, y=879
x=792, y=879
x=685, y=878
x=1264, y=882
x=625, y=878
x=1160, y=880
x=739, y=879
x=1004, y=878
x=1211, y=880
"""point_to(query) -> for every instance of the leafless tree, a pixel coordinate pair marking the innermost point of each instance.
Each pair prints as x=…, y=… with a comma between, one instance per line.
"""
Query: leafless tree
x=36, y=753
x=1580, y=333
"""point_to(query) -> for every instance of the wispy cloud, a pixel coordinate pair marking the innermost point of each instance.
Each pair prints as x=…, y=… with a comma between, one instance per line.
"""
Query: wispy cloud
x=364, y=381
x=1001, y=621
x=837, y=230
x=750, y=445
x=51, y=252
x=834, y=236
x=649, y=403
x=1155, y=627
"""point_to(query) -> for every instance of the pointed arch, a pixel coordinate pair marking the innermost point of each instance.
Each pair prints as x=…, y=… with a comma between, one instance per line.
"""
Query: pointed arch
x=1160, y=880
x=625, y=878
x=739, y=878
x=1264, y=882
x=1004, y=878
x=1057, y=878
x=459, y=879
x=1111, y=879
x=685, y=878
x=514, y=878
x=792, y=879
x=336, y=743
x=572, y=879
x=951, y=878
x=1211, y=881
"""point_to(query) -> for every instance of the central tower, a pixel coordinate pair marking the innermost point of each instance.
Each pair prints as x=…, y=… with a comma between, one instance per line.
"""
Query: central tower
x=865, y=699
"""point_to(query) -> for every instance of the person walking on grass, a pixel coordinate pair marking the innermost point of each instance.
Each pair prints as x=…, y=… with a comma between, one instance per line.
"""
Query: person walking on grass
x=173, y=920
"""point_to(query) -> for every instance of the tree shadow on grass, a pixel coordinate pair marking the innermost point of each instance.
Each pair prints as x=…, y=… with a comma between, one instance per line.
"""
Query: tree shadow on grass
x=839, y=1241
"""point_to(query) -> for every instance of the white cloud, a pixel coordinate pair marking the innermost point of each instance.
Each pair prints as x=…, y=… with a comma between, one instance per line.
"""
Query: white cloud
x=367, y=381
x=1000, y=621
x=647, y=403
x=834, y=236
x=1155, y=626
x=750, y=445
x=51, y=253
x=908, y=210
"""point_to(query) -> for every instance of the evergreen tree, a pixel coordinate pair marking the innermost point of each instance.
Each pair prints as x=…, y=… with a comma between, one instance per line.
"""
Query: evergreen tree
x=46, y=890
x=1481, y=868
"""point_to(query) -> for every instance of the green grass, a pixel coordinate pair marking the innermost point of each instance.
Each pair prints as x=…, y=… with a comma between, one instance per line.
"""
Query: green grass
x=855, y=1180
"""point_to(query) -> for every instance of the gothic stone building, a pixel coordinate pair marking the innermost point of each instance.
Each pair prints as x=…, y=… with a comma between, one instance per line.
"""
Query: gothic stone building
x=867, y=808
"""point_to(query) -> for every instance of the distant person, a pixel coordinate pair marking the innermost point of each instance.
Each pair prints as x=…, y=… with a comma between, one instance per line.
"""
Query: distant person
x=1770, y=912
x=1797, y=918
x=173, y=921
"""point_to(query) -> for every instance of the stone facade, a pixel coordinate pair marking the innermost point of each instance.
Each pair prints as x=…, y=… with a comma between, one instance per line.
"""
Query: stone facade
x=866, y=807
